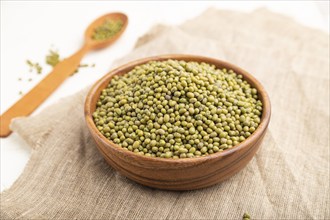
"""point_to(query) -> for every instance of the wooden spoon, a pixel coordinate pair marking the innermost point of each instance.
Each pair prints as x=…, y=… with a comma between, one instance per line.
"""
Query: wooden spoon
x=29, y=102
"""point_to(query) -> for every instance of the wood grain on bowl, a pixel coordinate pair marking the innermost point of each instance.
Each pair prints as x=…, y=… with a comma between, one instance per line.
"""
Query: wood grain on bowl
x=178, y=174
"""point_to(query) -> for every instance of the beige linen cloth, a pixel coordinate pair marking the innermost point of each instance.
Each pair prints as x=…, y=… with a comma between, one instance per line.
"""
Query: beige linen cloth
x=67, y=178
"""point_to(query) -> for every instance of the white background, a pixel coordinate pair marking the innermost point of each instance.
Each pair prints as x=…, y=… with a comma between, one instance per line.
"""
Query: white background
x=28, y=29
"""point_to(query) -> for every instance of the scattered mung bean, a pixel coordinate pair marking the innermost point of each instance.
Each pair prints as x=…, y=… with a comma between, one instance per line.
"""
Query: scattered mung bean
x=53, y=58
x=34, y=66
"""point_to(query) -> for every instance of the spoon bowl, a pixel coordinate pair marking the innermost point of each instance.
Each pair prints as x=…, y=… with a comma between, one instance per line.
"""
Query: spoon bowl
x=98, y=44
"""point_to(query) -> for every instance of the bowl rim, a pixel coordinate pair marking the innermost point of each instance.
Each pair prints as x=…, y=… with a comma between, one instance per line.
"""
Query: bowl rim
x=263, y=96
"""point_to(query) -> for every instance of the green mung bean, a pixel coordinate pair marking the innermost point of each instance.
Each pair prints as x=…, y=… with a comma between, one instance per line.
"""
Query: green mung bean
x=178, y=109
x=35, y=66
x=246, y=216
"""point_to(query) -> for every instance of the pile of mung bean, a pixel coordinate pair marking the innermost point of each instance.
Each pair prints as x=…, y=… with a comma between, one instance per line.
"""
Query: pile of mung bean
x=177, y=109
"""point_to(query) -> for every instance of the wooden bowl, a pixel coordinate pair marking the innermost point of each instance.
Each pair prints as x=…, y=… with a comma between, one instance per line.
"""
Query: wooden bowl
x=179, y=174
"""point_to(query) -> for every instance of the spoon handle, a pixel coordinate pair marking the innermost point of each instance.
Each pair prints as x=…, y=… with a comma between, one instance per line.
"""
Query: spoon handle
x=36, y=96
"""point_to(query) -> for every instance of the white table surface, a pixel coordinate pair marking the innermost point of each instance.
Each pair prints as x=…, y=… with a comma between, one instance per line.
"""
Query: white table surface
x=28, y=29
